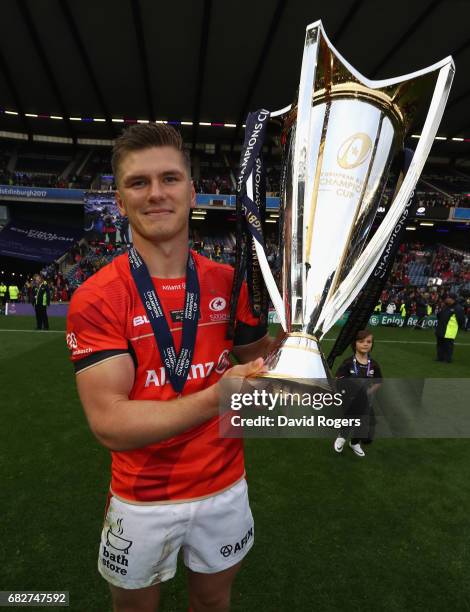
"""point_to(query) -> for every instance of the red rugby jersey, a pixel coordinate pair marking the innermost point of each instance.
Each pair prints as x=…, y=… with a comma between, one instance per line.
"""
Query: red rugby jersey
x=106, y=317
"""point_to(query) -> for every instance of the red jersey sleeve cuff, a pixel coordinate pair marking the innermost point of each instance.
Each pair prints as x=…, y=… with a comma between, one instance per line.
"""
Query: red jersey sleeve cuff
x=91, y=360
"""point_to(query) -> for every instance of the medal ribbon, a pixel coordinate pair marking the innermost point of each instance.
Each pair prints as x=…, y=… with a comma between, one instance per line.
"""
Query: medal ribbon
x=176, y=366
x=252, y=211
x=357, y=371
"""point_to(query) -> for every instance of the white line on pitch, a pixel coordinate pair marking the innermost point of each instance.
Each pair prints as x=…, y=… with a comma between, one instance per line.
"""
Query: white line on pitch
x=55, y=331
x=34, y=331
x=402, y=342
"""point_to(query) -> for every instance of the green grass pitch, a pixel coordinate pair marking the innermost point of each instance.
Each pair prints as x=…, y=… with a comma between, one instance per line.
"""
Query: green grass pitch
x=389, y=532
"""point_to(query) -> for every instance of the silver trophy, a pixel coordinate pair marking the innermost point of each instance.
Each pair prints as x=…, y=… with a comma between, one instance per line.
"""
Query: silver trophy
x=340, y=138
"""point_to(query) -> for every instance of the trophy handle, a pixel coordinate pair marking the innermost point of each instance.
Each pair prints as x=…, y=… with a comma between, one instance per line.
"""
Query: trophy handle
x=281, y=112
x=360, y=272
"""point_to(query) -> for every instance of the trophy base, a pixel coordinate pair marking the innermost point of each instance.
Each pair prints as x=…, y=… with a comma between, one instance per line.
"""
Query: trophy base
x=297, y=361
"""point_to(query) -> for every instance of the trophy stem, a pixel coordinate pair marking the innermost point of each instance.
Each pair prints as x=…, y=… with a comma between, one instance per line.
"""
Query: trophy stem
x=298, y=360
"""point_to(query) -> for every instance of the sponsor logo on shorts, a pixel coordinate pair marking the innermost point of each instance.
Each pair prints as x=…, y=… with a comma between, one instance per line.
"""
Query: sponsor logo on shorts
x=228, y=550
x=116, y=562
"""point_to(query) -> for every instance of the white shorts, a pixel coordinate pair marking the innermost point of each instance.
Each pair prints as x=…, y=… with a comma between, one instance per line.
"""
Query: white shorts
x=140, y=543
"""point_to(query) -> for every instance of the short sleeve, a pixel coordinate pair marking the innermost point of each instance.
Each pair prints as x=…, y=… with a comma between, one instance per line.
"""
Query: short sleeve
x=248, y=327
x=94, y=331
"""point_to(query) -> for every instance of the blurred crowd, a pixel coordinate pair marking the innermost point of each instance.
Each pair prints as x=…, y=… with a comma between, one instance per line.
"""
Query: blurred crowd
x=440, y=272
x=451, y=266
x=422, y=277
x=88, y=258
x=59, y=288
x=210, y=183
x=410, y=301
x=218, y=185
x=431, y=200
x=27, y=179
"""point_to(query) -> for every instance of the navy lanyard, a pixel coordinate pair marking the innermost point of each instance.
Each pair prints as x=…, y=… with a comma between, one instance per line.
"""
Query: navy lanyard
x=176, y=366
x=356, y=369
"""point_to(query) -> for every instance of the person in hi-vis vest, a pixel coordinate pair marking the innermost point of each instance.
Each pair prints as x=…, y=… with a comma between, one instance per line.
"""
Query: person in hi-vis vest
x=13, y=293
x=449, y=320
x=3, y=294
x=42, y=300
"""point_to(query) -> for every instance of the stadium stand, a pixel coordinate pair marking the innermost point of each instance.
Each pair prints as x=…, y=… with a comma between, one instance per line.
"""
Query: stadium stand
x=214, y=169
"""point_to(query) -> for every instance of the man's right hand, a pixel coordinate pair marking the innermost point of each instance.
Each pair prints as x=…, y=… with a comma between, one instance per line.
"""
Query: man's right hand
x=245, y=370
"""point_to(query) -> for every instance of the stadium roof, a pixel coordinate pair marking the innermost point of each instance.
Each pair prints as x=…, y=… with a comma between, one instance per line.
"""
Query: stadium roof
x=207, y=61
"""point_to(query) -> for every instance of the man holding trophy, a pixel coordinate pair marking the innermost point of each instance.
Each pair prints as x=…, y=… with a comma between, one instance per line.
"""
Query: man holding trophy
x=147, y=336
x=139, y=353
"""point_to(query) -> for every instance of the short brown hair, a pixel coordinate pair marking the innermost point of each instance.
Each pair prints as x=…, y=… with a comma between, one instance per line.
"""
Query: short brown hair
x=360, y=335
x=145, y=136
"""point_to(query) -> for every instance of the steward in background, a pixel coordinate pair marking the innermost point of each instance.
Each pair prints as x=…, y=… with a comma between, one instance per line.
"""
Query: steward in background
x=3, y=295
x=449, y=320
x=42, y=300
x=403, y=310
x=13, y=293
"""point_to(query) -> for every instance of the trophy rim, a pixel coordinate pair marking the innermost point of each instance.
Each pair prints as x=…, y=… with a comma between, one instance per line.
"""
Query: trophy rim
x=379, y=83
x=370, y=83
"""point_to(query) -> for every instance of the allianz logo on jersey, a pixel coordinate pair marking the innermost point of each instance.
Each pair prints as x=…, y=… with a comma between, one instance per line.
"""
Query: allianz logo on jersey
x=158, y=378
